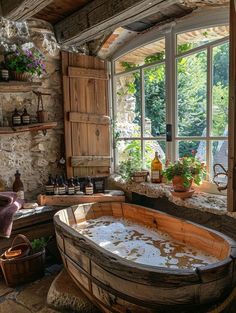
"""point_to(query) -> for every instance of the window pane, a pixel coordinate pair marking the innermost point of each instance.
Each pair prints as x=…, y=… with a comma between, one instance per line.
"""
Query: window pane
x=220, y=90
x=151, y=146
x=129, y=149
x=219, y=155
x=192, y=94
x=187, y=148
x=155, y=101
x=148, y=54
x=128, y=106
x=199, y=37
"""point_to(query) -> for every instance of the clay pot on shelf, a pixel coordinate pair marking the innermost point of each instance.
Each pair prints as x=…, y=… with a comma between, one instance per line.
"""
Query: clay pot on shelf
x=25, y=76
x=178, y=184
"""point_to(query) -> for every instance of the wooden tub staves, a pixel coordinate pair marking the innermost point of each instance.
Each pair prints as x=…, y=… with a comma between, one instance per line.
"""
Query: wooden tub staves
x=116, y=284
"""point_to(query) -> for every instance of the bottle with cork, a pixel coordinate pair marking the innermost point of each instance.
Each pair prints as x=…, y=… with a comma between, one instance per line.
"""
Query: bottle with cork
x=156, y=169
x=18, y=186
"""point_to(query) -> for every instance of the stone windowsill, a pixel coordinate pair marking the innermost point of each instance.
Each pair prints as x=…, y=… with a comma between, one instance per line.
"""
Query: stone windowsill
x=206, y=202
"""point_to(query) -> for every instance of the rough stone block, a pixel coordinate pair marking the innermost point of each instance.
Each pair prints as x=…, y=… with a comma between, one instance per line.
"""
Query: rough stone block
x=64, y=294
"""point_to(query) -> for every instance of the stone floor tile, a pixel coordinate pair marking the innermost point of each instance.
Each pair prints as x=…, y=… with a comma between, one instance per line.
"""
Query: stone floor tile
x=10, y=306
x=34, y=295
x=4, y=290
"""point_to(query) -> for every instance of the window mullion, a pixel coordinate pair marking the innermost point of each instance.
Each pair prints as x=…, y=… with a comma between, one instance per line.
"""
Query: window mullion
x=209, y=109
x=142, y=114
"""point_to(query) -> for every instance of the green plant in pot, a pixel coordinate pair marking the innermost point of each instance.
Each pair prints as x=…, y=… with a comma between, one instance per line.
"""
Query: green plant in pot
x=25, y=63
x=184, y=172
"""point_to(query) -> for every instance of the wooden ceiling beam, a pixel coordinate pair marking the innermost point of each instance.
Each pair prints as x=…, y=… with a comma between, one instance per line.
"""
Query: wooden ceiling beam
x=101, y=16
x=18, y=10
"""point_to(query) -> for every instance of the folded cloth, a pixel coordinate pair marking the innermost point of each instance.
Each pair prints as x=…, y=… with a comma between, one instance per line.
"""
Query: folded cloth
x=9, y=205
x=7, y=198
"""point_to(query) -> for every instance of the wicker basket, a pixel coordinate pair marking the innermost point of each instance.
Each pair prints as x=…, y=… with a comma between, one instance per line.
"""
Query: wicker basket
x=25, y=269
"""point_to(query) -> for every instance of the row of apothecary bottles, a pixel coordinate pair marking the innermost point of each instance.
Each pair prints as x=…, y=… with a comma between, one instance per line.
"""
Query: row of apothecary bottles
x=20, y=119
x=71, y=186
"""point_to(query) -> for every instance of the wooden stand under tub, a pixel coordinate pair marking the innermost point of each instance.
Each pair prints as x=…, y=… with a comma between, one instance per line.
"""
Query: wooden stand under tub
x=115, y=284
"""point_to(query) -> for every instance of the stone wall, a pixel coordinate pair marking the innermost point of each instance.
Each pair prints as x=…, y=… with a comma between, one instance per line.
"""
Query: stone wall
x=32, y=153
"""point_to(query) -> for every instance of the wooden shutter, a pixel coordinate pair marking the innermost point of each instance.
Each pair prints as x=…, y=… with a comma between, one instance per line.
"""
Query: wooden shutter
x=86, y=114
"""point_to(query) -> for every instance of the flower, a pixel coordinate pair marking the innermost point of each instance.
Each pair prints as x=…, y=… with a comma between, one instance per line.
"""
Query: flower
x=26, y=60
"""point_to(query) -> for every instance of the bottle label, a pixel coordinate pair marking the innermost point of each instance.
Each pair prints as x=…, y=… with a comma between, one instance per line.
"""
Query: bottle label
x=49, y=189
x=77, y=188
x=20, y=194
x=25, y=119
x=71, y=190
x=62, y=190
x=16, y=120
x=56, y=190
x=155, y=174
x=88, y=190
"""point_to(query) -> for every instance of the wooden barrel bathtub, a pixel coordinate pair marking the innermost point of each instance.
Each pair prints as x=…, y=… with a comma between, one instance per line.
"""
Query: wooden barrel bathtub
x=116, y=284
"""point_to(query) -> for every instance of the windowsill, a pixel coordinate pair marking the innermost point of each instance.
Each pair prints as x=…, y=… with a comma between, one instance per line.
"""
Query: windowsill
x=202, y=201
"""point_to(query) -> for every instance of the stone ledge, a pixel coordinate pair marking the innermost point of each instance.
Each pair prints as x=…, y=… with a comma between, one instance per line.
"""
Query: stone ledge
x=201, y=201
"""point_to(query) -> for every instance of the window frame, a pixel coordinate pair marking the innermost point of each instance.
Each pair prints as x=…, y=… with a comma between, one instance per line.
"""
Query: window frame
x=197, y=20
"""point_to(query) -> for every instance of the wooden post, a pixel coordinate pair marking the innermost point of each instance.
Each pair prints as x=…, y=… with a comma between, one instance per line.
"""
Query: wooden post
x=232, y=111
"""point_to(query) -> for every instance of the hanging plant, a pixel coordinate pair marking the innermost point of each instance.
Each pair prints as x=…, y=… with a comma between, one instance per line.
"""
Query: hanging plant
x=25, y=61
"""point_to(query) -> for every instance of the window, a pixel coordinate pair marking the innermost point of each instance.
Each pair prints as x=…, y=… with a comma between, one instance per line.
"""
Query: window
x=186, y=86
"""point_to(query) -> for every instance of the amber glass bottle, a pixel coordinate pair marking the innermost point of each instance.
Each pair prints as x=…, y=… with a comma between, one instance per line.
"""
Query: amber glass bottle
x=156, y=170
x=89, y=187
x=18, y=186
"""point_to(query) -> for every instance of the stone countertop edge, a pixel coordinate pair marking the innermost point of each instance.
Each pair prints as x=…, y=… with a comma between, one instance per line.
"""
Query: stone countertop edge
x=205, y=202
x=40, y=209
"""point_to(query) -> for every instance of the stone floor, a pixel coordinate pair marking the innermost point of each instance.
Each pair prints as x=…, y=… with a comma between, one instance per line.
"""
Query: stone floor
x=29, y=298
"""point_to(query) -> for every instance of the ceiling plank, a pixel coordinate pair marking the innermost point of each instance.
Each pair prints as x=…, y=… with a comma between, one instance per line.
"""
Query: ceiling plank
x=18, y=10
x=101, y=16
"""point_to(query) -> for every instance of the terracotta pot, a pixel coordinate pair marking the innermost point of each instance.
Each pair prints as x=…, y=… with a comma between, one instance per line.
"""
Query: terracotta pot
x=25, y=77
x=178, y=184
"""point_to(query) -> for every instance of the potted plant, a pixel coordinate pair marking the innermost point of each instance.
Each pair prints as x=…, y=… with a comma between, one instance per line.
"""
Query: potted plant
x=25, y=63
x=184, y=172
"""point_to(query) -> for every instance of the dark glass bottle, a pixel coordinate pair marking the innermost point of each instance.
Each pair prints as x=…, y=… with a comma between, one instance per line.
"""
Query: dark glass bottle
x=56, y=186
x=50, y=186
x=18, y=186
x=62, y=187
x=77, y=185
x=89, y=187
x=71, y=187
x=25, y=117
x=16, y=118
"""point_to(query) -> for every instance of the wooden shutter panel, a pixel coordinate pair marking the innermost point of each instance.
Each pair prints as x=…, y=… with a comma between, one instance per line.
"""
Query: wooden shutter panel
x=86, y=115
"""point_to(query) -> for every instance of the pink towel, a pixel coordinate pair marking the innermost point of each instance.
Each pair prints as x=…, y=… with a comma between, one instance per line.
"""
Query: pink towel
x=9, y=205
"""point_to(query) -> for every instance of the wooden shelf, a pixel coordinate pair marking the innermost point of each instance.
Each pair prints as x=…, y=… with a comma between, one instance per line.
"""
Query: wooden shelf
x=27, y=128
x=18, y=86
x=67, y=200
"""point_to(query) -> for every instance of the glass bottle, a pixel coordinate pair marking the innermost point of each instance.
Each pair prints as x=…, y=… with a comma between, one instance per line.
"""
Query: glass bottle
x=71, y=187
x=18, y=186
x=49, y=186
x=56, y=186
x=25, y=117
x=16, y=118
x=62, y=187
x=156, y=170
x=77, y=186
x=89, y=187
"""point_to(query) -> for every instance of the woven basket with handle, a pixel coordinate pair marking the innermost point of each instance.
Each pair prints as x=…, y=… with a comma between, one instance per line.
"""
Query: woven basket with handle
x=24, y=269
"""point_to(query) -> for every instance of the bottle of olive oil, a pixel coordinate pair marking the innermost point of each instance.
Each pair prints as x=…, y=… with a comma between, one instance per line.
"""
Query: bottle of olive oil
x=18, y=186
x=156, y=170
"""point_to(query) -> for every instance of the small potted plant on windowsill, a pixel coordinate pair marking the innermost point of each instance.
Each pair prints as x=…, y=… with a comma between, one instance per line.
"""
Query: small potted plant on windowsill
x=184, y=172
x=24, y=64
